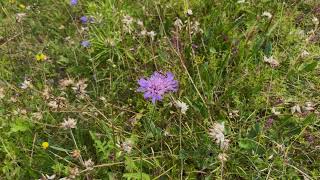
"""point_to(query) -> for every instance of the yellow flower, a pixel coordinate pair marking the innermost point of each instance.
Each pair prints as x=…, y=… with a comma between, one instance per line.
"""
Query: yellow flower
x=45, y=145
x=41, y=57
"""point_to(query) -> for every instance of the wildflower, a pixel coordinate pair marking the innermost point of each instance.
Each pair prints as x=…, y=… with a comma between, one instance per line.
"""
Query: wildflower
x=75, y=153
x=309, y=106
x=304, y=54
x=2, y=93
x=267, y=14
x=37, y=115
x=155, y=87
x=195, y=27
x=269, y=123
x=73, y=2
x=73, y=172
x=143, y=33
x=127, y=146
x=151, y=34
x=127, y=23
x=88, y=164
x=128, y=20
x=20, y=16
x=58, y=102
x=63, y=83
x=272, y=61
x=140, y=23
x=189, y=12
x=80, y=87
x=222, y=157
x=234, y=114
x=217, y=133
x=45, y=145
x=315, y=21
x=70, y=123
x=296, y=108
x=84, y=19
x=85, y=43
x=26, y=84
x=53, y=104
x=178, y=24
x=41, y=57
x=274, y=111
x=183, y=106
x=46, y=92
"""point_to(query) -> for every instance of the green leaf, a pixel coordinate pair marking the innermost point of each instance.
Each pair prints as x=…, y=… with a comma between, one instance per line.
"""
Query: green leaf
x=307, y=67
x=139, y=175
x=19, y=126
x=247, y=144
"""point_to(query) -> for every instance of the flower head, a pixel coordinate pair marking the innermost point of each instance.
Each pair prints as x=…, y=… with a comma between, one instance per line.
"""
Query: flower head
x=85, y=43
x=217, y=133
x=157, y=85
x=84, y=19
x=70, y=123
x=267, y=14
x=45, y=145
x=73, y=2
x=88, y=164
x=41, y=57
x=272, y=61
x=183, y=106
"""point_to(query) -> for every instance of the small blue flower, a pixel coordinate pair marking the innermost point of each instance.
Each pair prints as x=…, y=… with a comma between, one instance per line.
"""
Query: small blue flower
x=84, y=19
x=85, y=44
x=73, y=2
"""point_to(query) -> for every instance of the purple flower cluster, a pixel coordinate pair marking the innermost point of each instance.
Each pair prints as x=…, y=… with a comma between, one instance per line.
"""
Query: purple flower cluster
x=85, y=43
x=157, y=85
x=86, y=19
x=73, y=2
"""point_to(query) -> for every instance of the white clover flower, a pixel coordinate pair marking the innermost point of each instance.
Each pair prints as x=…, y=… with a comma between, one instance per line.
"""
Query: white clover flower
x=315, y=21
x=20, y=16
x=309, y=106
x=267, y=14
x=151, y=34
x=189, y=12
x=222, y=157
x=183, y=106
x=143, y=33
x=272, y=61
x=70, y=123
x=217, y=133
x=88, y=164
x=274, y=111
x=26, y=84
x=178, y=24
x=140, y=23
x=80, y=88
x=63, y=83
x=37, y=115
x=128, y=20
x=296, y=108
x=127, y=146
x=304, y=54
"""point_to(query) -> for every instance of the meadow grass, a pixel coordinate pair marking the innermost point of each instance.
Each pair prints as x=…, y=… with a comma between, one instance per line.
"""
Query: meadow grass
x=246, y=107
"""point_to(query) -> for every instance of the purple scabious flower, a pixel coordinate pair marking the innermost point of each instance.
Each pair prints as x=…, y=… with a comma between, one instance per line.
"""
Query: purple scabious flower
x=84, y=19
x=157, y=85
x=73, y=2
x=85, y=43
